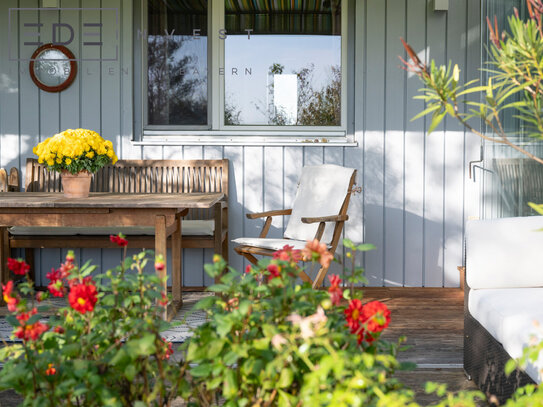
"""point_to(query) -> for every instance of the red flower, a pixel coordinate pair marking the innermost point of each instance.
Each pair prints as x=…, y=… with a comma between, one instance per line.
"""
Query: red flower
x=40, y=296
x=10, y=300
x=70, y=257
x=119, y=240
x=164, y=301
x=32, y=331
x=56, y=285
x=58, y=329
x=275, y=271
x=50, y=370
x=336, y=294
x=83, y=296
x=159, y=265
x=167, y=350
x=248, y=268
x=18, y=266
x=316, y=251
x=353, y=313
x=376, y=316
x=288, y=254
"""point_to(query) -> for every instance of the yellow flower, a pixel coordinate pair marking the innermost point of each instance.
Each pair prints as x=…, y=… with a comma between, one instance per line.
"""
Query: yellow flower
x=73, y=144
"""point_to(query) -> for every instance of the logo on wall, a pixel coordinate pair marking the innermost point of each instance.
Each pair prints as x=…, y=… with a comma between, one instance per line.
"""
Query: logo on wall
x=91, y=34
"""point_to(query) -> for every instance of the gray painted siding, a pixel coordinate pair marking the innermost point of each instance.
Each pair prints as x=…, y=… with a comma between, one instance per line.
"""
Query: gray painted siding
x=416, y=193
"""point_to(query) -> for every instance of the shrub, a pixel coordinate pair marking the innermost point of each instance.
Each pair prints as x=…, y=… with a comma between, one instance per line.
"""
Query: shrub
x=104, y=348
x=271, y=341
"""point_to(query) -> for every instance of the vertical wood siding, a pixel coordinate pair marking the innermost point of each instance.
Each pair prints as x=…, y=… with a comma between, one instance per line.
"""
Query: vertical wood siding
x=416, y=194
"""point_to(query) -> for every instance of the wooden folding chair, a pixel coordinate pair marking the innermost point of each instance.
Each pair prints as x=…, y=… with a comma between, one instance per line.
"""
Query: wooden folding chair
x=319, y=211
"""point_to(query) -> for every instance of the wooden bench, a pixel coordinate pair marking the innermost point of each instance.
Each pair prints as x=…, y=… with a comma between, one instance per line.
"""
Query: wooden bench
x=201, y=228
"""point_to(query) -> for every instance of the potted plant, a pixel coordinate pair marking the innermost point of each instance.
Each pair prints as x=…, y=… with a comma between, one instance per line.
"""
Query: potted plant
x=76, y=154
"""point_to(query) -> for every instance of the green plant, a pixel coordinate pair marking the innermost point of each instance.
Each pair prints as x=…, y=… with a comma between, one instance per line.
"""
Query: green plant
x=270, y=341
x=515, y=83
x=104, y=349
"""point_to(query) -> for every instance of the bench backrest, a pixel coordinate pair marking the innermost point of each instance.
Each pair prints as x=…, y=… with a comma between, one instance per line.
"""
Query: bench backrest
x=504, y=253
x=143, y=176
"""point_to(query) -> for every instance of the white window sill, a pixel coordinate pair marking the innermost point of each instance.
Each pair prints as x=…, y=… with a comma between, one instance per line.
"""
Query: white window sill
x=252, y=138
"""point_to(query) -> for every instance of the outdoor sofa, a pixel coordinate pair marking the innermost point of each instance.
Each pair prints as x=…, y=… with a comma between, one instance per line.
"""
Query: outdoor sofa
x=503, y=299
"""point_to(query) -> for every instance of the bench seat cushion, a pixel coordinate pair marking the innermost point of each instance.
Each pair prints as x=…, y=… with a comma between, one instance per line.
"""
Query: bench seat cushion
x=508, y=314
x=269, y=243
x=504, y=253
x=189, y=228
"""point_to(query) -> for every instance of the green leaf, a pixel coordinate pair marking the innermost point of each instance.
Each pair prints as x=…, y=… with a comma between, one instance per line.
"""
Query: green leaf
x=230, y=385
x=144, y=346
x=214, y=348
x=201, y=370
x=13, y=321
x=431, y=109
x=285, y=378
x=224, y=324
x=436, y=120
x=364, y=247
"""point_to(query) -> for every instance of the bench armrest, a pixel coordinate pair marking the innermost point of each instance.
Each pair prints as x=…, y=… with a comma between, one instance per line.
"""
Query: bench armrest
x=269, y=213
x=333, y=218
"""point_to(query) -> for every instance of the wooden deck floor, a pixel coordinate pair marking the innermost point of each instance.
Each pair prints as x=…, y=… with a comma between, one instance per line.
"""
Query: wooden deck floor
x=432, y=320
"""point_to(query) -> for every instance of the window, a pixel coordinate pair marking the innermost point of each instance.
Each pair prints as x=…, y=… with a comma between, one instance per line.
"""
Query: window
x=235, y=65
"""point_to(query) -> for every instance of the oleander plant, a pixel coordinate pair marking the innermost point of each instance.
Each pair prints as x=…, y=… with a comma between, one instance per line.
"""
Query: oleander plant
x=75, y=151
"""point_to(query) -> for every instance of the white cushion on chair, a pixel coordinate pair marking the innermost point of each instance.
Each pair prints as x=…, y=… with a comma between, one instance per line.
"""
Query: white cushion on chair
x=508, y=314
x=504, y=253
x=273, y=244
x=189, y=228
x=321, y=192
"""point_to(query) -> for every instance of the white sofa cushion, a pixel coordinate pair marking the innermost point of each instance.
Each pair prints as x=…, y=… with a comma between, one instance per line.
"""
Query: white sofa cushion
x=321, y=192
x=188, y=228
x=268, y=243
x=508, y=314
x=504, y=253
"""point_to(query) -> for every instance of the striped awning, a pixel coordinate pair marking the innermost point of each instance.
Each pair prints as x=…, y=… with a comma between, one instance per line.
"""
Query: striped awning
x=310, y=17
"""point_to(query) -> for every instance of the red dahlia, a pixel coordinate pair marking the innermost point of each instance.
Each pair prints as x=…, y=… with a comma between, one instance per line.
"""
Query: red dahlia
x=119, y=240
x=335, y=290
x=10, y=300
x=83, y=296
x=18, y=266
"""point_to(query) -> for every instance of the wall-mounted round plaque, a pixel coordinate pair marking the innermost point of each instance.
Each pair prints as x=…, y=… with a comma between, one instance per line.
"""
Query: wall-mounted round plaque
x=53, y=67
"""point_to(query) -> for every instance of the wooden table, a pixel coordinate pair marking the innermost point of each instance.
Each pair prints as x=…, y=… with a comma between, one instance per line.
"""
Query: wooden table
x=161, y=211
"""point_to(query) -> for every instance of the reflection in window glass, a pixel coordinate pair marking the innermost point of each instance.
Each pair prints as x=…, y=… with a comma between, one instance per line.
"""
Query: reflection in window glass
x=177, y=63
x=283, y=63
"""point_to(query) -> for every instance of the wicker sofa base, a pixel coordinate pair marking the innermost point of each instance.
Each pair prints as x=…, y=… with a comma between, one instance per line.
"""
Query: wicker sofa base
x=484, y=362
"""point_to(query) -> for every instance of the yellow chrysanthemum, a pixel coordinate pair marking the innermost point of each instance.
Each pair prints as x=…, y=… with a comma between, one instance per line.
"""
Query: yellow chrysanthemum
x=71, y=145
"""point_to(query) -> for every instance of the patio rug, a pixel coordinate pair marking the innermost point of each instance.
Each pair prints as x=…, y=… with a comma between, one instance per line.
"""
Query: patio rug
x=177, y=334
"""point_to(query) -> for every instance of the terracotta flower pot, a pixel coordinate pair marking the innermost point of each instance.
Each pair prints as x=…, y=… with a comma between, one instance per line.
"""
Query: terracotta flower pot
x=76, y=185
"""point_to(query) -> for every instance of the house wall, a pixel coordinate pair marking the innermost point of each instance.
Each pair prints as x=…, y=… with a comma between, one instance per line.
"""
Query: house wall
x=416, y=194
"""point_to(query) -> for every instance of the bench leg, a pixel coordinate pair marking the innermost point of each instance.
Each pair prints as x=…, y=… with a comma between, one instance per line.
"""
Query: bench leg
x=177, y=264
x=4, y=254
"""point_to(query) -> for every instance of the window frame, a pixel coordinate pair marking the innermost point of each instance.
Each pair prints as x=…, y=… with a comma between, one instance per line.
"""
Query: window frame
x=216, y=129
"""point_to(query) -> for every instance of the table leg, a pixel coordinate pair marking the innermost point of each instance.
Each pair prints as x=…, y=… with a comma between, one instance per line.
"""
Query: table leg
x=177, y=265
x=160, y=249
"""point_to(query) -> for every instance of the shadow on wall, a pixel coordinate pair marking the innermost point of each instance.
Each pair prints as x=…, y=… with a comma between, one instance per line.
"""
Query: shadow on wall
x=413, y=256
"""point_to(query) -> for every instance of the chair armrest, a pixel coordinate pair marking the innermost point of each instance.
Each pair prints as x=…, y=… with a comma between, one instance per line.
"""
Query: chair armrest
x=333, y=218
x=269, y=213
